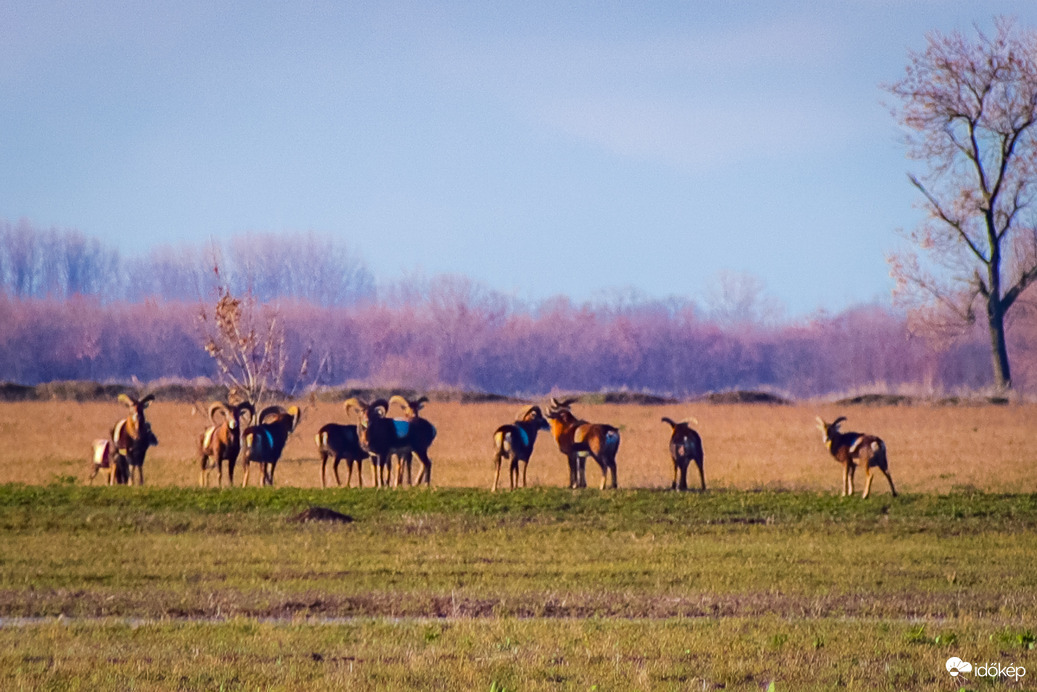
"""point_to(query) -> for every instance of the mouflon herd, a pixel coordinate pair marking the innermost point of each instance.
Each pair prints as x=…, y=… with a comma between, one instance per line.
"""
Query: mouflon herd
x=389, y=444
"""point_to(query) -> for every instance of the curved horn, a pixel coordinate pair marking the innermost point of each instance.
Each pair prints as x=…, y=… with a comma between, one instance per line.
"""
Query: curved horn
x=379, y=404
x=838, y=420
x=353, y=403
x=246, y=406
x=820, y=423
x=125, y=398
x=296, y=413
x=216, y=407
x=408, y=410
x=270, y=410
x=670, y=422
x=563, y=403
x=147, y=400
x=526, y=412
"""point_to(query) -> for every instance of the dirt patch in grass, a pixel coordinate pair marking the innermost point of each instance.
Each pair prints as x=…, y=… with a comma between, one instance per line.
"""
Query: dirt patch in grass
x=78, y=603
x=322, y=514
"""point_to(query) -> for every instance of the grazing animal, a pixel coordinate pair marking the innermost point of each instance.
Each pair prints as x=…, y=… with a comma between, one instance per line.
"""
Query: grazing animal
x=221, y=441
x=579, y=439
x=132, y=436
x=685, y=447
x=340, y=442
x=106, y=458
x=514, y=442
x=263, y=443
x=382, y=437
x=851, y=449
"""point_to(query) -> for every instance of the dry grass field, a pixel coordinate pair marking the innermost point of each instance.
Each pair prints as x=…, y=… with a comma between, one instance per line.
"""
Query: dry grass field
x=171, y=587
x=931, y=449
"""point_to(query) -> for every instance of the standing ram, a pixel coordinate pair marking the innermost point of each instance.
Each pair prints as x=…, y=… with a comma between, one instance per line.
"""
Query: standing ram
x=263, y=443
x=852, y=448
x=514, y=442
x=132, y=437
x=578, y=439
x=417, y=434
x=382, y=437
x=221, y=441
x=338, y=442
x=685, y=447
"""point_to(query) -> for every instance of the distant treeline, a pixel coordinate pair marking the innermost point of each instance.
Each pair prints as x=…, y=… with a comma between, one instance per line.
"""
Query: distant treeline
x=445, y=332
x=60, y=263
x=465, y=343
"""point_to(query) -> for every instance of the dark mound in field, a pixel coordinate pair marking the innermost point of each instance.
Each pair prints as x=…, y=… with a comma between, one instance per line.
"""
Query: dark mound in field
x=878, y=400
x=482, y=398
x=80, y=390
x=744, y=397
x=639, y=398
x=9, y=391
x=635, y=398
x=186, y=392
x=322, y=514
x=337, y=394
x=975, y=401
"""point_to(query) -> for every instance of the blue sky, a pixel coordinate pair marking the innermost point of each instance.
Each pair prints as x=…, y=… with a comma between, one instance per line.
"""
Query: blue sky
x=541, y=148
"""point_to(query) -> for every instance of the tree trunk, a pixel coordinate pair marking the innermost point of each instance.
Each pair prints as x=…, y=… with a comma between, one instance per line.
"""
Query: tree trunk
x=998, y=344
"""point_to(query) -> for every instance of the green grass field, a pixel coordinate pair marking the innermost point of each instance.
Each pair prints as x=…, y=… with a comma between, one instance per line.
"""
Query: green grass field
x=183, y=588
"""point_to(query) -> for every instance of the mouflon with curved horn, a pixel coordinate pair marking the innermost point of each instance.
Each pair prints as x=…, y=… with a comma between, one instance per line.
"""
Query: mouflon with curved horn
x=514, y=442
x=853, y=448
x=221, y=441
x=264, y=442
x=578, y=439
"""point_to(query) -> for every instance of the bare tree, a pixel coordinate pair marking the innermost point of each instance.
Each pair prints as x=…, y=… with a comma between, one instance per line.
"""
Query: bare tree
x=969, y=107
x=742, y=299
x=170, y=273
x=22, y=247
x=305, y=267
x=248, y=342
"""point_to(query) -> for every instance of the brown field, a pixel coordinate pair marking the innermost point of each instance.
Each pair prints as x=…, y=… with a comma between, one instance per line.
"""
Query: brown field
x=931, y=449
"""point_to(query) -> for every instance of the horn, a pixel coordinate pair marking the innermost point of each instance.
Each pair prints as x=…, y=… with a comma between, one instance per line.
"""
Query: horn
x=268, y=411
x=379, y=404
x=670, y=422
x=246, y=406
x=528, y=410
x=147, y=400
x=216, y=406
x=564, y=403
x=820, y=423
x=408, y=410
x=838, y=420
x=296, y=413
x=127, y=399
x=354, y=403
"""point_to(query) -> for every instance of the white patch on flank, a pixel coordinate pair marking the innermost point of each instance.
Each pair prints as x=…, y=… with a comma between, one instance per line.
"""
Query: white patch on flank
x=208, y=436
x=102, y=452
